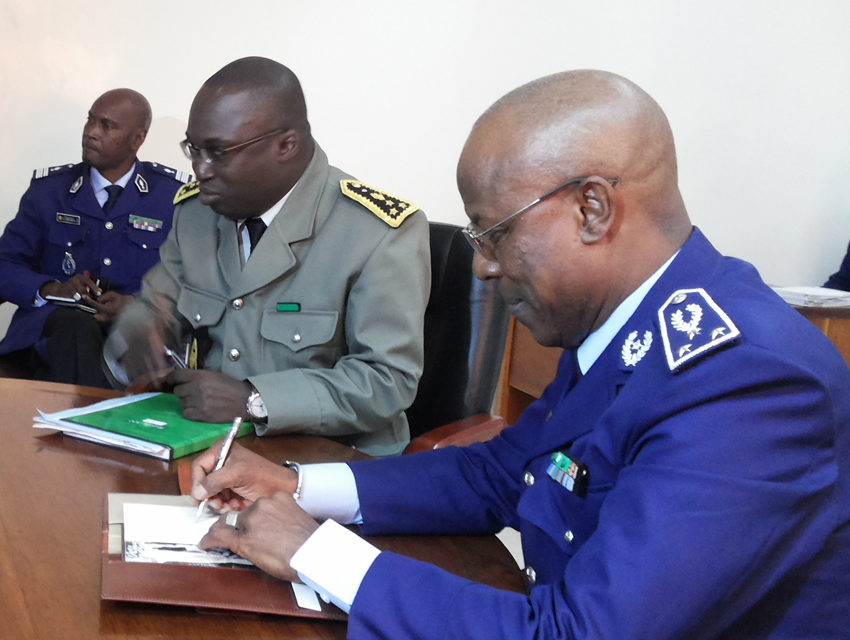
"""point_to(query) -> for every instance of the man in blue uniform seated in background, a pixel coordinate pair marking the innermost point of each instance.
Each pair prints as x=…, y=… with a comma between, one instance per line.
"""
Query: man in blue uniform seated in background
x=686, y=474
x=87, y=232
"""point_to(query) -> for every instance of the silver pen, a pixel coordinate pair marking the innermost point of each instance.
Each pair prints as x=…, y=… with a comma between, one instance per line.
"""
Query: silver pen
x=176, y=359
x=222, y=457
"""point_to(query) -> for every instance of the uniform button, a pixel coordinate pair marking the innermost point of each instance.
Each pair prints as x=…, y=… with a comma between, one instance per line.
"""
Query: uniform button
x=144, y=246
x=548, y=416
x=296, y=338
x=238, y=303
x=107, y=261
x=234, y=355
x=680, y=298
x=197, y=317
x=568, y=536
x=528, y=478
x=531, y=575
x=109, y=225
x=68, y=244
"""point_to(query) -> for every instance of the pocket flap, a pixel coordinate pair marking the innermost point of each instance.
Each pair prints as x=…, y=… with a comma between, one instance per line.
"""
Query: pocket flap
x=201, y=309
x=300, y=329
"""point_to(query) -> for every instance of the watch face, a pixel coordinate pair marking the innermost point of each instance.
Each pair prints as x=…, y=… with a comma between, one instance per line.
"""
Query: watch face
x=256, y=406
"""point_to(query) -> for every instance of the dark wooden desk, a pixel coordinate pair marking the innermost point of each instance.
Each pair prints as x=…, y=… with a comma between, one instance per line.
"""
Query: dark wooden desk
x=51, y=511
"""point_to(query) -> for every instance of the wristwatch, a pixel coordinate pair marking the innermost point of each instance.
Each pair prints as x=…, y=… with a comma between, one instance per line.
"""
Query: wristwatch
x=256, y=407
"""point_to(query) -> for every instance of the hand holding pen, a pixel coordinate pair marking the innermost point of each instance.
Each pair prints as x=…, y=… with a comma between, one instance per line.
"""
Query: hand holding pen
x=226, y=444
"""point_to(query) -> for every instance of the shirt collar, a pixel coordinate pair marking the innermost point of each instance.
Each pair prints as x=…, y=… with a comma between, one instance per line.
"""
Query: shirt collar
x=99, y=183
x=593, y=346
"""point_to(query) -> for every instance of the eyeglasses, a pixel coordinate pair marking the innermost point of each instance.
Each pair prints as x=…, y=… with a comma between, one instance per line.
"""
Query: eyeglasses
x=218, y=155
x=488, y=250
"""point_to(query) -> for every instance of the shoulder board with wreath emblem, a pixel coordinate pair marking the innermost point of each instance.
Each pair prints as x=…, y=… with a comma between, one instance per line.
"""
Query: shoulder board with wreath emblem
x=693, y=325
x=187, y=191
x=388, y=208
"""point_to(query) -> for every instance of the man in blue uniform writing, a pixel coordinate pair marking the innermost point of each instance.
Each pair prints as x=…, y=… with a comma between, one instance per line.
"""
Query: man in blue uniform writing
x=686, y=474
x=85, y=233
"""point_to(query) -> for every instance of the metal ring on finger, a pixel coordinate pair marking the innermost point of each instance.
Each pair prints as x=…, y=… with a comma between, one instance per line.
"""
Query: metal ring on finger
x=230, y=519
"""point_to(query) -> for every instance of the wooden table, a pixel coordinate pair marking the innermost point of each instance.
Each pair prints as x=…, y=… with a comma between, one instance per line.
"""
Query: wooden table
x=51, y=513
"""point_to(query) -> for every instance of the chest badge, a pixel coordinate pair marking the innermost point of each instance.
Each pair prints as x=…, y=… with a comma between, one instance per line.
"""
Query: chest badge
x=69, y=265
x=570, y=473
x=634, y=350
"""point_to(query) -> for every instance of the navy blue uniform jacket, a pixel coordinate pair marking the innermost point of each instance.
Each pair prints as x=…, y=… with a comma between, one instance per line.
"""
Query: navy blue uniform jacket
x=59, y=214
x=718, y=499
x=841, y=278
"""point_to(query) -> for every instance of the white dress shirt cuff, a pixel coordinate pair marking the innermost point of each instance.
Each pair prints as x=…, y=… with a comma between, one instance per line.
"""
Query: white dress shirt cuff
x=333, y=562
x=329, y=491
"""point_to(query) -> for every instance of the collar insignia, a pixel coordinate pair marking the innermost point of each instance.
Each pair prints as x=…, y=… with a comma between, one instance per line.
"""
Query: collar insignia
x=76, y=186
x=141, y=183
x=691, y=325
x=634, y=350
x=388, y=208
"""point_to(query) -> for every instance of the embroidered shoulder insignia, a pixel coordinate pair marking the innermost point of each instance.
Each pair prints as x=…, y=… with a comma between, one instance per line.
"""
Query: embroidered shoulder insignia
x=691, y=325
x=187, y=191
x=182, y=176
x=49, y=171
x=388, y=208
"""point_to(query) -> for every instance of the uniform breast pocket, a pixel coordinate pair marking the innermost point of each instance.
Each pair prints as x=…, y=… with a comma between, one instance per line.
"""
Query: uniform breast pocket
x=65, y=247
x=144, y=247
x=313, y=335
x=200, y=308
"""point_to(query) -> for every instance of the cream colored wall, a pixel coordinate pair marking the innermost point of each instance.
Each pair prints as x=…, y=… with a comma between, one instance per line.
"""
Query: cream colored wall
x=758, y=93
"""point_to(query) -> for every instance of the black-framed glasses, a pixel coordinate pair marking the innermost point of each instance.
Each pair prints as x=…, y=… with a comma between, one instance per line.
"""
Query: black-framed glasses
x=488, y=250
x=218, y=155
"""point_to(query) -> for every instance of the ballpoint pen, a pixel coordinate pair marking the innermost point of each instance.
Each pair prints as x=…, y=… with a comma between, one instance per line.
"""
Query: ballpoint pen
x=176, y=359
x=222, y=456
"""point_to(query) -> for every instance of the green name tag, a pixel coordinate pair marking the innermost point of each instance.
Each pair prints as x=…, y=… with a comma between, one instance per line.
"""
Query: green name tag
x=289, y=306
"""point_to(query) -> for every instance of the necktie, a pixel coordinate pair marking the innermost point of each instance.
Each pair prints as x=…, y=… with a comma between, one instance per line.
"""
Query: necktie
x=256, y=229
x=114, y=192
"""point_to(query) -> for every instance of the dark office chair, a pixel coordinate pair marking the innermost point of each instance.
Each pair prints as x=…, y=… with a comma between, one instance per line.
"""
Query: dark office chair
x=466, y=325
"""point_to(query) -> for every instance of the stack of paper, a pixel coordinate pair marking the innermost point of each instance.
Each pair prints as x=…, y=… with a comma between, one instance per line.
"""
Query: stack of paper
x=148, y=423
x=814, y=296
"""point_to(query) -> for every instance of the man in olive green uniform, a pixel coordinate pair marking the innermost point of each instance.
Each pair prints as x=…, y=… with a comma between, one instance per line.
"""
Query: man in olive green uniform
x=314, y=327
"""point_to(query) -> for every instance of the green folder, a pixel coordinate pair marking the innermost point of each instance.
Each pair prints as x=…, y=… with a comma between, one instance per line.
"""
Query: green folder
x=151, y=424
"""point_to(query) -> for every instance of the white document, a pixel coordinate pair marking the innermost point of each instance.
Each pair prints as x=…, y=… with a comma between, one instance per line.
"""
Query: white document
x=814, y=296
x=169, y=534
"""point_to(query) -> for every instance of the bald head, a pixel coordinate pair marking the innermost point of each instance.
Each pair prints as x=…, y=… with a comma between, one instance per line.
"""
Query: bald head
x=585, y=122
x=268, y=81
x=136, y=104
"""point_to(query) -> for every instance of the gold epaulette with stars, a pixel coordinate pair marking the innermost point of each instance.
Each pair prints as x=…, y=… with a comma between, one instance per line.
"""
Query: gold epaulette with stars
x=388, y=208
x=187, y=191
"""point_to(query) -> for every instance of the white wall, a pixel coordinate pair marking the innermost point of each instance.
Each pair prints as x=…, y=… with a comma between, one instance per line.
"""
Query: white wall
x=758, y=93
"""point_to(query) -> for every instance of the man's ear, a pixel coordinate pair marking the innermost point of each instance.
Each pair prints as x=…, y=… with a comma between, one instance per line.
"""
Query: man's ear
x=597, y=209
x=138, y=140
x=289, y=145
